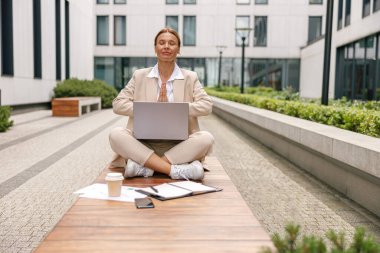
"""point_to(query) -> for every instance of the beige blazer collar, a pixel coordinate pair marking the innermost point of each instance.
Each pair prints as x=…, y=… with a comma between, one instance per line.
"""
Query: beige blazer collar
x=151, y=89
x=179, y=90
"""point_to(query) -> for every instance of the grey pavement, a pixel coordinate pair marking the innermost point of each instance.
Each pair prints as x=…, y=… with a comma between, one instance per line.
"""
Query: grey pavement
x=44, y=159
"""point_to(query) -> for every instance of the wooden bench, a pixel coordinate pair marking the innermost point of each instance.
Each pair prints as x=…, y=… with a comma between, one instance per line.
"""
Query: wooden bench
x=214, y=222
x=75, y=106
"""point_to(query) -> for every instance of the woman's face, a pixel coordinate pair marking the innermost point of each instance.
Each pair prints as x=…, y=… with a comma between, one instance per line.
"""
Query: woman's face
x=166, y=47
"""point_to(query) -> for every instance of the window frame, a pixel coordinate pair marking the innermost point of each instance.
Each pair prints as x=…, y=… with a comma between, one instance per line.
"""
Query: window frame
x=255, y=43
x=261, y=3
x=37, y=51
x=191, y=3
x=366, y=8
x=172, y=16
x=100, y=2
x=108, y=30
x=195, y=31
x=7, y=38
x=114, y=30
x=237, y=36
x=376, y=6
x=248, y=2
x=347, y=13
x=168, y=2
x=314, y=2
x=340, y=15
x=308, y=32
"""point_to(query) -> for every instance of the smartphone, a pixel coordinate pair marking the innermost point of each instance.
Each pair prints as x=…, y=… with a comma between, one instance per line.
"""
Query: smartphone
x=144, y=203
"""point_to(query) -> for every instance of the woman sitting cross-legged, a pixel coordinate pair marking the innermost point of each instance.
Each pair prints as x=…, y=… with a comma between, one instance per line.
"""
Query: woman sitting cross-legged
x=165, y=82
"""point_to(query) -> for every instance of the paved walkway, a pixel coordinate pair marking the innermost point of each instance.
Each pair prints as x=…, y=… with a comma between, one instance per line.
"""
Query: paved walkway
x=44, y=159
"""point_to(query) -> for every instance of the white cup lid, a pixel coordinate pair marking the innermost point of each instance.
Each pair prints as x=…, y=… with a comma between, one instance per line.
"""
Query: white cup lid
x=114, y=176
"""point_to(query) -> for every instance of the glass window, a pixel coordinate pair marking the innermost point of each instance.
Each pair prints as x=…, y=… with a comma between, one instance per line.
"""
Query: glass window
x=340, y=14
x=315, y=1
x=6, y=38
x=366, y=8
x=102, y=1
x=171, y=1
x=261, y=1
x=315, y=28
x=347, y=80
x=37, y=38
x=243, y=1
x=102, y=30
x=241, y=22
x=377, y=83
x=359, y=69
x=119, y=30
x=376, y=5
x=260, y=31
x=347, y=16
x=119, y=1
x=105, y=69
x=172, y=22
x=370, y=72
x=189, y=1
x=189, y=30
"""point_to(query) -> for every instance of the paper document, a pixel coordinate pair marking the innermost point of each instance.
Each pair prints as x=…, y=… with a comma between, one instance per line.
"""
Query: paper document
x=100, y=191
x=177, y=190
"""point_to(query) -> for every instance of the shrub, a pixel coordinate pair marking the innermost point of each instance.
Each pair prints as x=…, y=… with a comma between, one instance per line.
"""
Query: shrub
x=353, y=116
x=86, y=88
x=361, y=243
x=5, y=113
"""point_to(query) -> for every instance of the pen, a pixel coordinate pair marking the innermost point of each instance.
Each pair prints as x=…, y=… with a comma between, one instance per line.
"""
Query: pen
x=153, y=188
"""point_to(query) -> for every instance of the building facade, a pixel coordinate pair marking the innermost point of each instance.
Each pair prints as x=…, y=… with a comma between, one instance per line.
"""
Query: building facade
x=355, y=54
x=125, y=32
x=39, y=47
x=44, y=42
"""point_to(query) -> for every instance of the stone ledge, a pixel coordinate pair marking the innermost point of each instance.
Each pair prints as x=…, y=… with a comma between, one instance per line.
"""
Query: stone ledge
x=347, y=161
x=357, y=150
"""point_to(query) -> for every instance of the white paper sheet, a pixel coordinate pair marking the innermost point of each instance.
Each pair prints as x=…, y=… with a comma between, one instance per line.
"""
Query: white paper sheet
x=100, y=191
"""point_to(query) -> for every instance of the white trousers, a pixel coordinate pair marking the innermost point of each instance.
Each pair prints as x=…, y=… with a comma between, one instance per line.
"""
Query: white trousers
x=196, y=147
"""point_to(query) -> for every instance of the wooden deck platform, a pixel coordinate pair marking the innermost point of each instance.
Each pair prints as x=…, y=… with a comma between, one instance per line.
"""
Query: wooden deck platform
x=214, y=222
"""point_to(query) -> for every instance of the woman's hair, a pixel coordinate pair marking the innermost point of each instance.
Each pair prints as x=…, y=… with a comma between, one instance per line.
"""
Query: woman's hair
x=168, y=30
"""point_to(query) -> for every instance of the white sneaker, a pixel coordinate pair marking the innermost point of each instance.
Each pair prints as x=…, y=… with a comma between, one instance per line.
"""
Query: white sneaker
x=187, y=171
x=133, y=169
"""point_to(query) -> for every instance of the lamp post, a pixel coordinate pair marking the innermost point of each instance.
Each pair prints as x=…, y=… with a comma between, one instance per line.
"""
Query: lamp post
x=327, y=53
x=243, y=33
x=220, y=49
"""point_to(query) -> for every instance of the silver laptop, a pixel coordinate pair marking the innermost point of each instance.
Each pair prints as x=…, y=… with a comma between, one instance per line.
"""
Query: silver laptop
x=161, y=121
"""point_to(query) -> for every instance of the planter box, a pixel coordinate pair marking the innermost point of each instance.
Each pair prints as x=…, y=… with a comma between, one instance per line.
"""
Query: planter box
x=345, y=160
x=75, y=106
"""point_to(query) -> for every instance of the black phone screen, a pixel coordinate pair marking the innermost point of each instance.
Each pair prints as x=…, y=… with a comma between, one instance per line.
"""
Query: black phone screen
x=144, y=203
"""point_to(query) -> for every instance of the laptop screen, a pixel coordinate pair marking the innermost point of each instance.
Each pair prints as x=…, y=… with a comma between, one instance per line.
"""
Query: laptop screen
x=161, y=121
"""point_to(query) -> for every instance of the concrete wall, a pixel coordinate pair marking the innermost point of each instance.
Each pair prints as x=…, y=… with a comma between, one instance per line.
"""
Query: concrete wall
x=22, y=87
x=347, y=161
x=287, y=27
x=81, y=39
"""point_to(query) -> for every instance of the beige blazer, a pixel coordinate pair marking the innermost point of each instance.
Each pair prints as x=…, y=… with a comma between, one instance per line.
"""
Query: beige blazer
x=143, y=88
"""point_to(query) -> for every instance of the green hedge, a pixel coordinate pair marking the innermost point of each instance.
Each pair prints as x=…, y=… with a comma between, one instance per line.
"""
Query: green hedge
x=86, y=88
x=354, y=118
x=5, y=113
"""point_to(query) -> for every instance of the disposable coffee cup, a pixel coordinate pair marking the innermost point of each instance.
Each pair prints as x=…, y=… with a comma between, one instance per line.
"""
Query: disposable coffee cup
x=114, y=181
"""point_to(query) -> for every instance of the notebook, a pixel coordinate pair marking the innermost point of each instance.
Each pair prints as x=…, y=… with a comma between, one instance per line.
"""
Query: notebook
x=161, y=121
x=175, y=190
